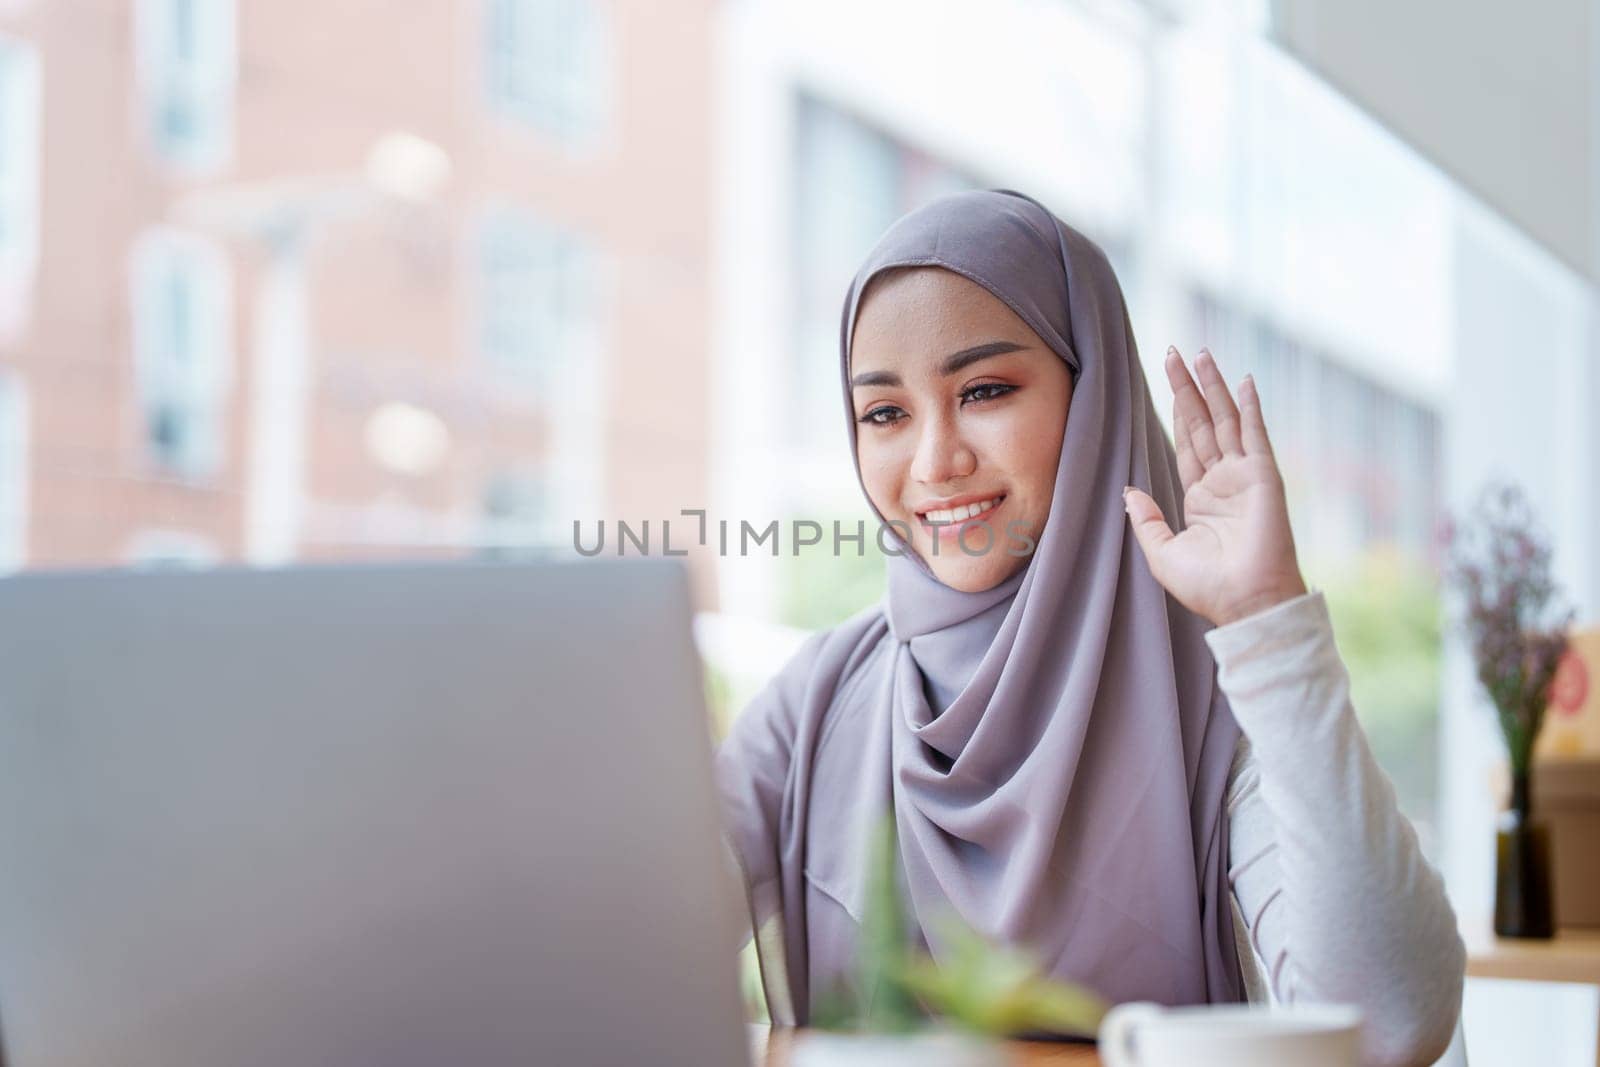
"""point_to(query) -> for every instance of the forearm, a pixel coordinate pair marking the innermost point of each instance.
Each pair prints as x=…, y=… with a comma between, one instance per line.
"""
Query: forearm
x=1356, y=914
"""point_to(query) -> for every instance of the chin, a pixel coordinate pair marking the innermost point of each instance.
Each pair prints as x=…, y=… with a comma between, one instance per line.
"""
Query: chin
x=974, y=575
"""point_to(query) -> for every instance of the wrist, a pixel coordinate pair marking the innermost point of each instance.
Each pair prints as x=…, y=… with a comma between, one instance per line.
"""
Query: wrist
x=1265, y=600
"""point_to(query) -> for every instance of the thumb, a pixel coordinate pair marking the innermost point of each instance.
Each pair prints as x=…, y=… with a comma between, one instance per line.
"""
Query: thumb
x=1150, y=527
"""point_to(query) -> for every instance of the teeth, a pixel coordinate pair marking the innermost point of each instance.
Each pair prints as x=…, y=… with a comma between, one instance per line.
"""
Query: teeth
x=966, y=511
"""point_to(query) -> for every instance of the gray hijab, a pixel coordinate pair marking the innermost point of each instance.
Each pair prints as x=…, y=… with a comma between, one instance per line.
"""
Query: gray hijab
x=1055, y=750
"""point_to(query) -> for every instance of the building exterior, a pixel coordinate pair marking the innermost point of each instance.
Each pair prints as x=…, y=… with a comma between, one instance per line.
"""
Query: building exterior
x=527, y=347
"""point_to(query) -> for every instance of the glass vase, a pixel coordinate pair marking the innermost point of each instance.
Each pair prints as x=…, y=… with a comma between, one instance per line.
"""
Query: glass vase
x=1522, y=906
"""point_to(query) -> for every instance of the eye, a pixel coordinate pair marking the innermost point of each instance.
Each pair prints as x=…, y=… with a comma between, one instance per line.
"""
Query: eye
x=882, y=415
x=985, y=391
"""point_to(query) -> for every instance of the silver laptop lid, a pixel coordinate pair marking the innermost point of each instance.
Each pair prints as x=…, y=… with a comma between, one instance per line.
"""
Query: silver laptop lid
x=434, y=814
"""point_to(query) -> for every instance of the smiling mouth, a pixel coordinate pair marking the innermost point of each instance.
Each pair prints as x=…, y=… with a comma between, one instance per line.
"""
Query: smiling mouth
x=944, y=518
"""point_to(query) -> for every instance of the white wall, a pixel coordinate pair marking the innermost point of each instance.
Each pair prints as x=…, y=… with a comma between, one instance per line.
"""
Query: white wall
x=1500, y=95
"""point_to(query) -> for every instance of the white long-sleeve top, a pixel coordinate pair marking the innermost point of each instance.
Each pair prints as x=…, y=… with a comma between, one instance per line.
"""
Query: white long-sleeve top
x=1333, y=901
x=1336, y=901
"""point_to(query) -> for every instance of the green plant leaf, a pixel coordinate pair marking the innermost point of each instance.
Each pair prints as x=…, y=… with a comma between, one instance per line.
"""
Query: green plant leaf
x=978, y=986
x=884, y=948
x=997, y=990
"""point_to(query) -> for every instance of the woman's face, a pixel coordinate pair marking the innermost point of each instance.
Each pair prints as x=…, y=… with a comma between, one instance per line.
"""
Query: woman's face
x=960, y=409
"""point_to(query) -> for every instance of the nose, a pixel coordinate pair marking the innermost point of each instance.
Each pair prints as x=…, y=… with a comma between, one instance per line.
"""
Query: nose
x=942, y=456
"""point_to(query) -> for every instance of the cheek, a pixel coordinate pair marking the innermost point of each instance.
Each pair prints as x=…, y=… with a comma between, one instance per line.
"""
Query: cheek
x=882, y=473
x=1024, y=453
x=1027, y=446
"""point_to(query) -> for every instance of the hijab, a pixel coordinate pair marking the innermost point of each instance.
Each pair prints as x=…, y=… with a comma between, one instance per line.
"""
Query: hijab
x=1054, y=750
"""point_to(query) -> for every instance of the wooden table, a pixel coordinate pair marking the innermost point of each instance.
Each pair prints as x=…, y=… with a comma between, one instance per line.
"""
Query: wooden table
x=773, y=1048
x=1570, y=956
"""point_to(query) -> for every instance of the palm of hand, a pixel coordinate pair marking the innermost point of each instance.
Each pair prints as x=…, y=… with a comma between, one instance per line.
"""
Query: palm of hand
x=1236, y=553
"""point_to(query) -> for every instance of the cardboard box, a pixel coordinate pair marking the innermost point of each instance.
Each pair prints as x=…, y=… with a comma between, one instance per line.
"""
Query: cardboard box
x=1566, y=781
x=1572, y=720
x=1566, y=794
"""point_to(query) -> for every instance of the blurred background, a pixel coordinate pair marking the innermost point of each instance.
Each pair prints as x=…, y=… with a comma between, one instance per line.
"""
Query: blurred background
x=284, y=281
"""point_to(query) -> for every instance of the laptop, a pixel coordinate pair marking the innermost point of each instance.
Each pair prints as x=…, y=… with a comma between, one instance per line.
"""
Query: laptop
x=436, y=814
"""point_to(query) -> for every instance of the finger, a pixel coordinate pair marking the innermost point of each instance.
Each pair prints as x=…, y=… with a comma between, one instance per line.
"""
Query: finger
x=1190, y=470
x=1253, y=425
x=1191, y=408
x=1150, y=527
x=1224, y=415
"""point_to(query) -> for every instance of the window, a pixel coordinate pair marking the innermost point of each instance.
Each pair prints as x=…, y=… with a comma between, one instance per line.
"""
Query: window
x=538, y=301
x=542, y=296
x=19, y=179
x=1367, y=455
x=548, y=65
x=183, y=350
x=516, y=514
x=13, y=473
x=188, y=63
x=171, y=550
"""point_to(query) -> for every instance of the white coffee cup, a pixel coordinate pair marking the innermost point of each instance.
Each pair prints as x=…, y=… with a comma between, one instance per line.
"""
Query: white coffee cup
x=1234, y=1035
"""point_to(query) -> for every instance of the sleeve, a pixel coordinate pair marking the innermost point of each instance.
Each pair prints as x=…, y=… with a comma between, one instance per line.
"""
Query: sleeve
x=1339, y=903
x=752, y=768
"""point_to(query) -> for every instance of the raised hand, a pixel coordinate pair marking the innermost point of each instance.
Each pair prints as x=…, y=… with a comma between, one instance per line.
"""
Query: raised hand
x=1236, y=554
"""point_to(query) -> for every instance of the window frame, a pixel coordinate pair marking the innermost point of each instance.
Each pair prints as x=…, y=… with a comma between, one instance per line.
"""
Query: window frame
x=21, y=100
x=206, y=84
x=548, y=65
x=203, y=390
x=16, y=444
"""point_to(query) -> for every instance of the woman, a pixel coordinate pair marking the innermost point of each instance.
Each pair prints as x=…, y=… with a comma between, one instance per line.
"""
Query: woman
x=1164, y=797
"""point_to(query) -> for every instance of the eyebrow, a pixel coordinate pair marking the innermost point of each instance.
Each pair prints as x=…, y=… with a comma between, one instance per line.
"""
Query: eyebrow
x=948, y=366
